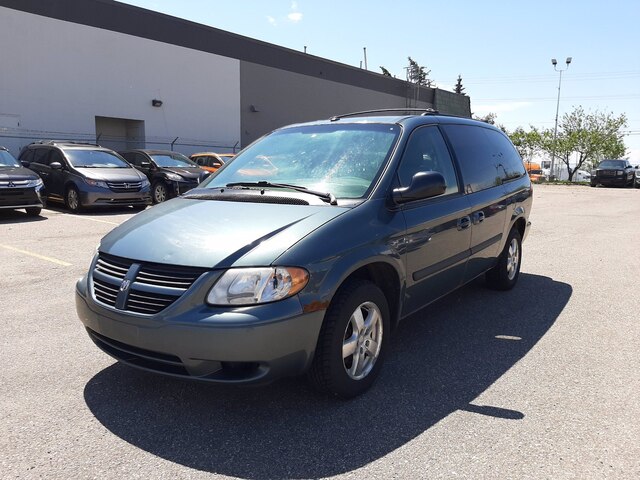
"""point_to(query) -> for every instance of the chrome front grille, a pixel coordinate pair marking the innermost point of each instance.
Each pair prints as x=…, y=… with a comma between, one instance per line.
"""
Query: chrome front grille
x=139, y=287
x=125, y=186
x=14, y=183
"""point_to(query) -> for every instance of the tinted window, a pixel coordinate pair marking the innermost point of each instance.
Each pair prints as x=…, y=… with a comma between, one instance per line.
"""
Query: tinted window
x=41, y=156
x=426, y=151
x=475, y=154
x=26, y=155
x=505, y=156
x=55, y=156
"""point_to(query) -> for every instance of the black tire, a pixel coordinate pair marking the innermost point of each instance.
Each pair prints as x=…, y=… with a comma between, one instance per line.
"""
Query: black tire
x=72, y=199
x=593, y=184
x=159, y=192
x=328, y=372
x=33, y=211
x=505, y=274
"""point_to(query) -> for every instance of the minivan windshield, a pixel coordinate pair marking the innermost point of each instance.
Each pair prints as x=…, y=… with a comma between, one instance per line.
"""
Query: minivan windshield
x=173, y=160
x=7, y=160
x=343, y=160
x=612, y=164
x=82, y=158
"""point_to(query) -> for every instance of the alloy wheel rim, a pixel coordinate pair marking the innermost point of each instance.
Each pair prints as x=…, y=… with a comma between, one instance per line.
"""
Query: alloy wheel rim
x=72, y=199
x=513, y=259
x=362, y=341
x=160, y=193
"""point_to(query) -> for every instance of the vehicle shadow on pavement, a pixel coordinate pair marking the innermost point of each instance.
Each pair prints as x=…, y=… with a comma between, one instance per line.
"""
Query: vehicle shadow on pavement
x=18, y=216
x=440, y=360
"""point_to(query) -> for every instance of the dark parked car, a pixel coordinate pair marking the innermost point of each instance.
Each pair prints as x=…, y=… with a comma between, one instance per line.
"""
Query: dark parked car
x=307, y=249
x=609, y=173
x=170, y=173
x=19, y=186
x=85, y=175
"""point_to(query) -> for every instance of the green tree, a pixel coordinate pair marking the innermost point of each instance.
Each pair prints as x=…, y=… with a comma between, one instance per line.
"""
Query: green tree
x=418, y=74
x=458, y=88
x=528, y=143
x=585, y=137
x=385, y=72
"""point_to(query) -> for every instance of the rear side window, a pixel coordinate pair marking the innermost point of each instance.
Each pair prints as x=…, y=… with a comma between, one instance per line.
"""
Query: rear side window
x=486, y=157
x=508, y=160
x=41, y=156
x=27, y=155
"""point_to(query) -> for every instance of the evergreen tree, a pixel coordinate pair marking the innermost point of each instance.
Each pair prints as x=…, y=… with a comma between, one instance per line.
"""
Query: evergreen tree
x=458, y=88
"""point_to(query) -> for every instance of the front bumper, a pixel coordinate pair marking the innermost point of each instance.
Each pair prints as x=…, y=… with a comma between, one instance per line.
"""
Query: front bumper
x=248, y=345
x=105, y=197
x=12, y=198
x=612, y=181
x=178, y=188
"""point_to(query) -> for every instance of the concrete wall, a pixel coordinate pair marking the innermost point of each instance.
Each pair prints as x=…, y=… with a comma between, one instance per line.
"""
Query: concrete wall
x=57, y=76
x=272, y=98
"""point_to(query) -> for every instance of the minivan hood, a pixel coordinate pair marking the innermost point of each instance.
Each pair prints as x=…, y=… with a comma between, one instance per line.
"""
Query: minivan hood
x=215, y=234
x=17, y=173
x=111, y=174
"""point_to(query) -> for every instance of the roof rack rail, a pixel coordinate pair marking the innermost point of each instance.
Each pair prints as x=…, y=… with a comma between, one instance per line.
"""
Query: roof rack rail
x=423, y=111
x=58, y=142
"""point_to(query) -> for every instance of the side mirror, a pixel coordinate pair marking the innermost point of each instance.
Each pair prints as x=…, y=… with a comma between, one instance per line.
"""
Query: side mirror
x=145, y=164
x=423, y=185
x=216, y=164
x=25, y=164
x=56, y=165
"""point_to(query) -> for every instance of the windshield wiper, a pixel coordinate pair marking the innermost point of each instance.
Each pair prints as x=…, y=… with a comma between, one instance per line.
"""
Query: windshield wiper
x=325, y=196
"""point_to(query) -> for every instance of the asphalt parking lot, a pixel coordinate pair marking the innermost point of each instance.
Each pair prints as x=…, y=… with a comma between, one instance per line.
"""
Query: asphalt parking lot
x=538, y=382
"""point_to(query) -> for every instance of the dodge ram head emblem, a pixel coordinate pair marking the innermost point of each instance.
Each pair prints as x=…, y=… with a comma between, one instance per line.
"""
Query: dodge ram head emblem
x=124, y=286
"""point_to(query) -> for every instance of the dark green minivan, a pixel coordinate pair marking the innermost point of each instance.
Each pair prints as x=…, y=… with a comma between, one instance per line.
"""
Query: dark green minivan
x=303, y=253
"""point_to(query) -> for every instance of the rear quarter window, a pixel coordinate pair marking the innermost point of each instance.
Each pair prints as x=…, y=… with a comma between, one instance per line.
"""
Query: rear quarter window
x=487, y=158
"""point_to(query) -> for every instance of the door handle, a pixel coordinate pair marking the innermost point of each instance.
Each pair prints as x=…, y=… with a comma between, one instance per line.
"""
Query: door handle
x=463, y=223
x=478, y=217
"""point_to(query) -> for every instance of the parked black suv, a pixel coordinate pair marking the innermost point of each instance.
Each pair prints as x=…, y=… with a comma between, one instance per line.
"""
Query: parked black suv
x=170, y=173
x=19, y=186
x=304, y=252
x=618, y=173
x=85, y=175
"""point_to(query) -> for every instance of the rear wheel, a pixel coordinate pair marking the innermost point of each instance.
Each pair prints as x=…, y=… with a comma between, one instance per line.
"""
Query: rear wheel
x=352, y=341
x=33, y=211
x=505, y=274
x=72, y=199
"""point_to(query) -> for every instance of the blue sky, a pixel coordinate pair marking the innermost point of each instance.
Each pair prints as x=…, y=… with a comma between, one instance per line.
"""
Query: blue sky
x=502, y=49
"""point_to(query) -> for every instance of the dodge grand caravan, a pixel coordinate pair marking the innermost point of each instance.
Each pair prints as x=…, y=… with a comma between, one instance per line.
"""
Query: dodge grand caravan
x=304, y=252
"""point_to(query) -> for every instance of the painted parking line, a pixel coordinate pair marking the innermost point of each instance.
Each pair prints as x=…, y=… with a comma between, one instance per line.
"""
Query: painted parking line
x=35, y=255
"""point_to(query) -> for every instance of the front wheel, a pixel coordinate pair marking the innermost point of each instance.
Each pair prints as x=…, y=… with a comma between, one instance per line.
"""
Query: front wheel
x=505, y=274
x=352, y=341
x=159, y=192
x=72, y=199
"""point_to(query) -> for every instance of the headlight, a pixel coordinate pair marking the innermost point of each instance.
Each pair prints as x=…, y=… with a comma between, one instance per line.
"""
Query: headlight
x=145, y=183
x=619, y=172
x=35, y=183
x=96, y=183
x=251, y=286
x=173, y=177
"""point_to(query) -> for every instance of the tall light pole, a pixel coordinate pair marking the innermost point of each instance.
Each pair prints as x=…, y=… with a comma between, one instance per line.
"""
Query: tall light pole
x=554, y=62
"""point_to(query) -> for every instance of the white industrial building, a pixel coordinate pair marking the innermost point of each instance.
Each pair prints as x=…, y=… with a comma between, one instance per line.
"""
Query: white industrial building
x=122, y=76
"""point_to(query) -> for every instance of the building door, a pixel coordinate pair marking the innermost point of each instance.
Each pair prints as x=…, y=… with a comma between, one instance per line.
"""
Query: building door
x=120, y=133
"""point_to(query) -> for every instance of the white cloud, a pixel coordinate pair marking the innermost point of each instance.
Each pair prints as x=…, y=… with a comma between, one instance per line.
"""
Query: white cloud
x=295, y=16
x=271, y=20
x=500, y=107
